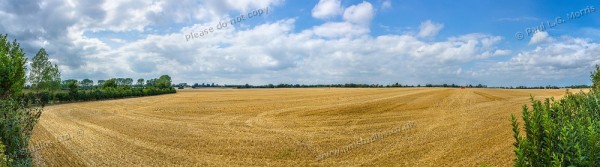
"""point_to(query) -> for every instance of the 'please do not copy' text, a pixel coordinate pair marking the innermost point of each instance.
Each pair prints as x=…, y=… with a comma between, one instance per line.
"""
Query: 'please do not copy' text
x=204, y=31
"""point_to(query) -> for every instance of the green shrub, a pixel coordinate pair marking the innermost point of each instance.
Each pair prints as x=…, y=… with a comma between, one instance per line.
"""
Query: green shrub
x=17, y=119
x=560, y=133
x=596, y=79
x=4, y=160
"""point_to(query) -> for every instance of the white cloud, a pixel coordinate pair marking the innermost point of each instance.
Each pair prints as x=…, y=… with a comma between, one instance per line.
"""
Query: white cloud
x=430, y=29
x=540, y=37
x=502, y=52
x=273, y=53
x=327, y=9
x=563, y=59
x=386, y=4
x=338, y=29
x=361, y=14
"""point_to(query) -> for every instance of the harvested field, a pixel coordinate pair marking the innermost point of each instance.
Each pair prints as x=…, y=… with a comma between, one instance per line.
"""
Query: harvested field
x=286, y=127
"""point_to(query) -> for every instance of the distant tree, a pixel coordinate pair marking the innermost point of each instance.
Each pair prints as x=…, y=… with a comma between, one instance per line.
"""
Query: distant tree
x=151, y=82
x=120, y=81
x=12, y=68
x=86, y=83
x=66, y=82
x=140, y=82
x=101, y=83
x=111, y=83
x=128, y=82
x=44, y=76
x=72, y=85
x=164, y=82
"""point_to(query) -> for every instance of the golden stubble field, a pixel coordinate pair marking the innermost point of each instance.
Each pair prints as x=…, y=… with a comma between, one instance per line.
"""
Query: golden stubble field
x=286, y=127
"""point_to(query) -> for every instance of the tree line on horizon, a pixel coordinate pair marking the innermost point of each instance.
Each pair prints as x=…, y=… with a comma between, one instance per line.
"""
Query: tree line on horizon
x=46, y=85
x=72, y=90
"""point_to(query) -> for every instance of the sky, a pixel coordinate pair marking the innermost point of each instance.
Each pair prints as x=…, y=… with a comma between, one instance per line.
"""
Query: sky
x=507, y=43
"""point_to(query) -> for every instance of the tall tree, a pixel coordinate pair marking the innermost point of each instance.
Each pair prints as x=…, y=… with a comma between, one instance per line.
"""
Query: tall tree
x=12, y=68
x=72, y=85
x=44, y=76
x=128, y=81
x=101, y=83
x=164, y=82
x=17, y=116
x=151, y=82
x=111, y=83
x=140, y=82
x=87, y=83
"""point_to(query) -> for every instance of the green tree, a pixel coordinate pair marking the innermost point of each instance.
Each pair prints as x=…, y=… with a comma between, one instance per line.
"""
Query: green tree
x=72, y=85
x=151, y=82
x=111, y=83
x=44, y=76
x=128, y=81
x=164, y=82
x=17, y=116
x=101, y=83
x=140, y=82
x=86, y=83
x=12, y=68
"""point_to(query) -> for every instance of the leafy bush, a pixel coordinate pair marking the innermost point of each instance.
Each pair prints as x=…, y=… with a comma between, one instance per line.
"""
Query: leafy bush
x=17, y=119
x=596, y=79
x=560, y=133
x=4, y=160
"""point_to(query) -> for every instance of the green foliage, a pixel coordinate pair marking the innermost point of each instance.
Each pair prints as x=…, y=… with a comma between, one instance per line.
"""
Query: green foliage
x=140, y=82
x=164, y=82
x=560, y=133
x=18, y=116
x=44, y=76
x=4, y=160
x=17, y=119
x=73, y=86
x=596, y=79
x=12, y=68
x=86, y=83
x=111, y=83
x=109, y=90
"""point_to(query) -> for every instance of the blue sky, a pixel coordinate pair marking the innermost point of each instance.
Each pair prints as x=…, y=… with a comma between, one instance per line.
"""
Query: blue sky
x=314, y=42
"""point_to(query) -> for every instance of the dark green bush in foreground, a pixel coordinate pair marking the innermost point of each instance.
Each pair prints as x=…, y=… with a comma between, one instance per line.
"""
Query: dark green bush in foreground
x=560, y=133
x=17, y=119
